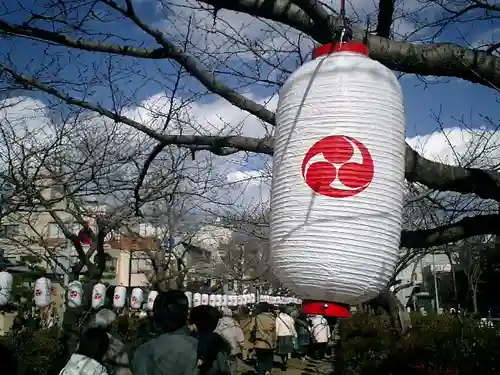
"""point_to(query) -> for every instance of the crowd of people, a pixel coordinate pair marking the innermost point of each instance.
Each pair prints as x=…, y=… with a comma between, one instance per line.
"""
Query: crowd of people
x=203, y=340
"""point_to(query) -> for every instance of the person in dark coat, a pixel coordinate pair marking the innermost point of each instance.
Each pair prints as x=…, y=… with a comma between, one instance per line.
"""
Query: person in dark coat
x=302, y=326
x=174, y=350
x=213, y=349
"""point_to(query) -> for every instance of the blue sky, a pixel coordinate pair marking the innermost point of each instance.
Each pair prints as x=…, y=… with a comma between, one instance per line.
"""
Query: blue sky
x=139, y=79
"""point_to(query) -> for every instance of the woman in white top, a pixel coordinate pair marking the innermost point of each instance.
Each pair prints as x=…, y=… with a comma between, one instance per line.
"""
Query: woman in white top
x=321, y=334
x=286, y=335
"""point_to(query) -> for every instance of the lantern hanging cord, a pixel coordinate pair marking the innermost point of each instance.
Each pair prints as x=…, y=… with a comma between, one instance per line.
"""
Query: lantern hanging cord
x=346, y=32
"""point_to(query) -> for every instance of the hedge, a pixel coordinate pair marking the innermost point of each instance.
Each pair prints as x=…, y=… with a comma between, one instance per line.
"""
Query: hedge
x=435, y=345
x=368, y=345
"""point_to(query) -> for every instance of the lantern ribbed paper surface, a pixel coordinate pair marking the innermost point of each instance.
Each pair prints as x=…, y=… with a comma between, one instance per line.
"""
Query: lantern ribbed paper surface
x=151, y=299
x=337, y=191
x=136, y=298
x=120, y=297
x=75, y=294
x=6, y=281
x=98, y=296
x=43, y=292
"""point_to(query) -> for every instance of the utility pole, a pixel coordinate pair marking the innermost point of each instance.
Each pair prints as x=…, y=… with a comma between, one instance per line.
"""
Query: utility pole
x=67, y=255
x=436, y=289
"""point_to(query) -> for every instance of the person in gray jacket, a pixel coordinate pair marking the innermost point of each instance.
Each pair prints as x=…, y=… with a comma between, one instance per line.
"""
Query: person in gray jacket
x=116, y=358
x=174, y=351
x=231, y=331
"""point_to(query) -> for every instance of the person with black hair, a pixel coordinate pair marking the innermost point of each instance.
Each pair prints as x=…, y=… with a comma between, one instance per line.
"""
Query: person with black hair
x=213, y=349
x=116, y=358
x=174, y=350
x=88, y=358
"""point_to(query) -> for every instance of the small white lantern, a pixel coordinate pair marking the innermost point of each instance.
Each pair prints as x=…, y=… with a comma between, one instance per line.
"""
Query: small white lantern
x=151, y=299
x=120, y=297
x=224, y=300
x=232, y=300
x=239, y=300
x=272, y=300
x=211, y=299
x=340, y=142
x=204, y=299
x=136, y=298
x=43, y=292
x=98, y=296
x=218, y=300
x=189, y=297
x=251, y=298
x=75, y=294
x=6, y=281
x=196, y=299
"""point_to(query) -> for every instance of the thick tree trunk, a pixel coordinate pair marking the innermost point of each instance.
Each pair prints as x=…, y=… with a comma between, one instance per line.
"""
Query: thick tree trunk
x=397, y=312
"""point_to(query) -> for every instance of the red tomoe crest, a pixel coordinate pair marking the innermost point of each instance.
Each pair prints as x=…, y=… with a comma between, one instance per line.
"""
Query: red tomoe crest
x=97, y=296
x=38, y=292
x=117, y=296
x=338, y=166
x=134, y=299
x=74, y=294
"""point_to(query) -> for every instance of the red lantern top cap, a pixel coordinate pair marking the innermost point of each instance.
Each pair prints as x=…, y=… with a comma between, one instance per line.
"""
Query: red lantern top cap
x=330, y=309
x=326, y=49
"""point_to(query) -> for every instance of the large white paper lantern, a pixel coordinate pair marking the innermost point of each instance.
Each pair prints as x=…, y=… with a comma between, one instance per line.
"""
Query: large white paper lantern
x=98, y=296
x=211, y=299
x=196, y=299
x=151, y=299
x=189, y=297
x=136, y=298
x=43, y=292
x=120, y=297
x=338, y=174
x=205, y=299
x=75, y=294
x=6, y=281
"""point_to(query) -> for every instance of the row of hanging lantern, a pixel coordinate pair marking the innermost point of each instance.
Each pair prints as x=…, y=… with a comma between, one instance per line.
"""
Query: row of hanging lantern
x=42, y=296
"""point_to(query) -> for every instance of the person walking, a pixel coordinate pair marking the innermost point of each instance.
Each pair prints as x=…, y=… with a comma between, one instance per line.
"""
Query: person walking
x=174, y=350
x=213, y=349
x=303, y=335
x=88, y=357
x=116, y=358
x=231, y=331
x=286, y=335
x=263, y=337
x=321, y=335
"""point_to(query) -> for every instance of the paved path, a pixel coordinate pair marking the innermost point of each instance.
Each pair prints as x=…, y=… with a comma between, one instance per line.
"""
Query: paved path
x=295, y=367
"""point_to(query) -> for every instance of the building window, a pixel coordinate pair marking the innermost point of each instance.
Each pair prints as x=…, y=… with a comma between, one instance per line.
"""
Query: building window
x=10, y=230
x=111, y=263
x=141, y=265
x=55, y=231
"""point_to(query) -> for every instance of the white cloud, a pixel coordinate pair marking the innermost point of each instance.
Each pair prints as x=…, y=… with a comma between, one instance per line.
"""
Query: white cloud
x=457, y=146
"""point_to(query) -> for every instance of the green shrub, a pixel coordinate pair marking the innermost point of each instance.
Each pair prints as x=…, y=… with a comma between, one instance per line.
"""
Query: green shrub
x=38, y=352
x=435, y=345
